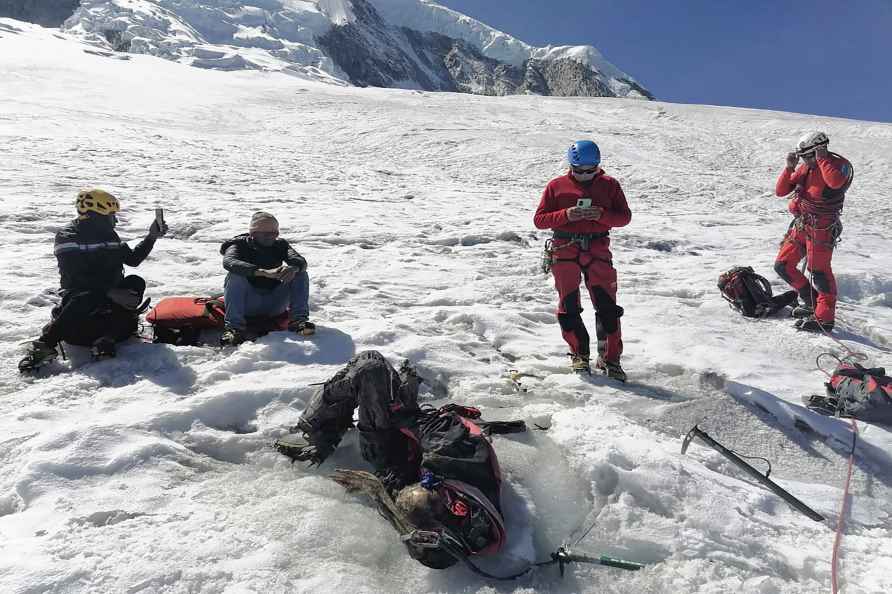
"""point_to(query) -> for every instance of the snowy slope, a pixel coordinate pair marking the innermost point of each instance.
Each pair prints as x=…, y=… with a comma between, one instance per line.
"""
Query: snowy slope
x=152, y=472
x=391, y=43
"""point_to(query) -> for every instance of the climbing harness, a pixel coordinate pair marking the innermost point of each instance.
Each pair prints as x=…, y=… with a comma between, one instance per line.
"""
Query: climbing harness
x=583, y=240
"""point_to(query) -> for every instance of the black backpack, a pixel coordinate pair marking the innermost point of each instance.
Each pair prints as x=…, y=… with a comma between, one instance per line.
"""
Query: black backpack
x=750, y=293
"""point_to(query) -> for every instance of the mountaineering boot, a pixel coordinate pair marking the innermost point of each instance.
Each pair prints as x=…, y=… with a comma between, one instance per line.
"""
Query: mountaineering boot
x=580, y=363
x=304, y=327
x=39, y=354
x=803, y=311
x=306, y=445
x=231, y=337
x=103, y=348
x=812, y=324
x=611, y=369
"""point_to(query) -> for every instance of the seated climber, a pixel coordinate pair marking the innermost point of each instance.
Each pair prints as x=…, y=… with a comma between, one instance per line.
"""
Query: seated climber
x=266, y=278
x=436, y=479
x=100, y=306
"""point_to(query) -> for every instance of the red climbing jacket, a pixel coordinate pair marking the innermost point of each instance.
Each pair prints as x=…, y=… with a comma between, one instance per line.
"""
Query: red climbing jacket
x=563, y=192
x=820, y=191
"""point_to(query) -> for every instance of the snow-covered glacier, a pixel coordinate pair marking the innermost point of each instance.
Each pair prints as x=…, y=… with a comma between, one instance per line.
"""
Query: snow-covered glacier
x=153, y=473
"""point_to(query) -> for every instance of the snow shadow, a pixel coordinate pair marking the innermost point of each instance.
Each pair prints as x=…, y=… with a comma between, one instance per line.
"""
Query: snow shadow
x=637, y=388
x=849, y=335
x=10, y=29
x=156, y=363
x=802, y=426
x=329, y=346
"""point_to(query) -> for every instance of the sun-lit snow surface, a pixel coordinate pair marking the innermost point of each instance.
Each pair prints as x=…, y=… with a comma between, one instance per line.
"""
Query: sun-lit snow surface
x=152, y=472
x=283, y=34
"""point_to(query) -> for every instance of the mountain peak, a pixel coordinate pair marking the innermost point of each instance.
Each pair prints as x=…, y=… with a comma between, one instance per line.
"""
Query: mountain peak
x=415, y=44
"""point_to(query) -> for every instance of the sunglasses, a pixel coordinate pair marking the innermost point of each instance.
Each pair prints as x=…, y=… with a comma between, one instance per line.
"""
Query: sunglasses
x=585, y=170
x=265, y=234
x=807, y=155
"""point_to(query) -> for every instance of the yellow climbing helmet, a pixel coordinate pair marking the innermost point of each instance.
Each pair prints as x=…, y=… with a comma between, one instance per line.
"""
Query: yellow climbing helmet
x=98, y=201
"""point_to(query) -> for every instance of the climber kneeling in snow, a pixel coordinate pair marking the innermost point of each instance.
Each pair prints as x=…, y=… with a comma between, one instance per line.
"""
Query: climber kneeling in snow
x=436, y=476
x=820, y=185
x=266, y=278
x=581, y=207
x=100, y=306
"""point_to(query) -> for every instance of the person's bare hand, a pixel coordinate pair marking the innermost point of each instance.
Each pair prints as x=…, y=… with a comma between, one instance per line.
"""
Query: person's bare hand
x=575, y=213
x=287, y=274
x=267, y=273
x=792, y=160
x=594, y=213
x=584, y=213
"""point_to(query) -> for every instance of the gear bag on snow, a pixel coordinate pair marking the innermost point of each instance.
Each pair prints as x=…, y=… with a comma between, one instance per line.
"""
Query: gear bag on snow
x=857, y=392
x=454, y=446
x=750, y=293
x=180, y=320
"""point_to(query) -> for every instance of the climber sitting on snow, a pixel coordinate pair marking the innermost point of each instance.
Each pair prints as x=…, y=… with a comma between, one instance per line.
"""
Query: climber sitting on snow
x=436, y=477
x=266, y=278
x=100, y=306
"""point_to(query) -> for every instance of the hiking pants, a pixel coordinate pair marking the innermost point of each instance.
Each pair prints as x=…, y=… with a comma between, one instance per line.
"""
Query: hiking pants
x=244, y=300
x=85, y=316
x=595, y=267
x=387, y=402
x=815, y=244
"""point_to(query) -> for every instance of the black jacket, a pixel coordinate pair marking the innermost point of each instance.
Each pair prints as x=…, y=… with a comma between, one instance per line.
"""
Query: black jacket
x=243, y=256
x=92, y=257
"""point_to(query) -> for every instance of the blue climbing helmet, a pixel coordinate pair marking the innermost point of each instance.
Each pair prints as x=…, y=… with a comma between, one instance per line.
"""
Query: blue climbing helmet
x=583, y=153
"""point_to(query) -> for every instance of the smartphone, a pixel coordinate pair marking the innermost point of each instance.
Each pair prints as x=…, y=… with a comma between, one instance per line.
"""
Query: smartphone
x=159, y=217
x=584, y=203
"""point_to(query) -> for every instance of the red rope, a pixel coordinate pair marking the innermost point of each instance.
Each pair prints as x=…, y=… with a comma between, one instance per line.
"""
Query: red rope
x=834, y=573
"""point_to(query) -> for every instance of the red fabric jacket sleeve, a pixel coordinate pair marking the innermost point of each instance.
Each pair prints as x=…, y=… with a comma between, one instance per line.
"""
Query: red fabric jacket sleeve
x=787, y=181
x=834, y=171
x=548, y=215
x=618, y=215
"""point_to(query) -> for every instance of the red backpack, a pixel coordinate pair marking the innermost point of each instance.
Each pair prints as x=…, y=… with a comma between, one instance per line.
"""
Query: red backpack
x=180, y=320
x=750, y=293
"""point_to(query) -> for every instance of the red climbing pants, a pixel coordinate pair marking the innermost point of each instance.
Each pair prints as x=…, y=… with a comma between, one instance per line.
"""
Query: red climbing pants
x=594, y=266
x=815, y=243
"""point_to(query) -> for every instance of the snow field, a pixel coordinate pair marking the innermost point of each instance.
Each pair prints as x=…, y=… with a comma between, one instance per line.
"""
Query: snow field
x=152, y=472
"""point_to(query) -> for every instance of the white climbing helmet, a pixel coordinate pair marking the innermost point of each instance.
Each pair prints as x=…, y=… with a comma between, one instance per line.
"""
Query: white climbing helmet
x=810, y=141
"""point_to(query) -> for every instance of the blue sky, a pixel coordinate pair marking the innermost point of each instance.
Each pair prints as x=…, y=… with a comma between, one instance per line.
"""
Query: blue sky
x=826, y=57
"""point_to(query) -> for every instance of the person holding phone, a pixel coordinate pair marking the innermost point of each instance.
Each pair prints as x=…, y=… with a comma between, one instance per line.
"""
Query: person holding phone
x=266, y=277
x=100, y=305
x=581, y=208
x=818, y=187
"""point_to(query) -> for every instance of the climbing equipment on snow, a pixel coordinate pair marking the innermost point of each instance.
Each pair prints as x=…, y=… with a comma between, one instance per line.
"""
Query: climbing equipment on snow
x=854, y=391
x=750, y=293
x=746, y=467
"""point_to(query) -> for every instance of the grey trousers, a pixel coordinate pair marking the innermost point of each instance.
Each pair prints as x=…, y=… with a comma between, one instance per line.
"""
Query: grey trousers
x=388, y=403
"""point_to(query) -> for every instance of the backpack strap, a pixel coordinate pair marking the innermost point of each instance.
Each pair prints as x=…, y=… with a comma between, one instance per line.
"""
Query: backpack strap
x=213, y=307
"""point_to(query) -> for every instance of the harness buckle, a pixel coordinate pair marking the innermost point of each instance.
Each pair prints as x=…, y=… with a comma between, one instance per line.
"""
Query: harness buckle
x=424, y=539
